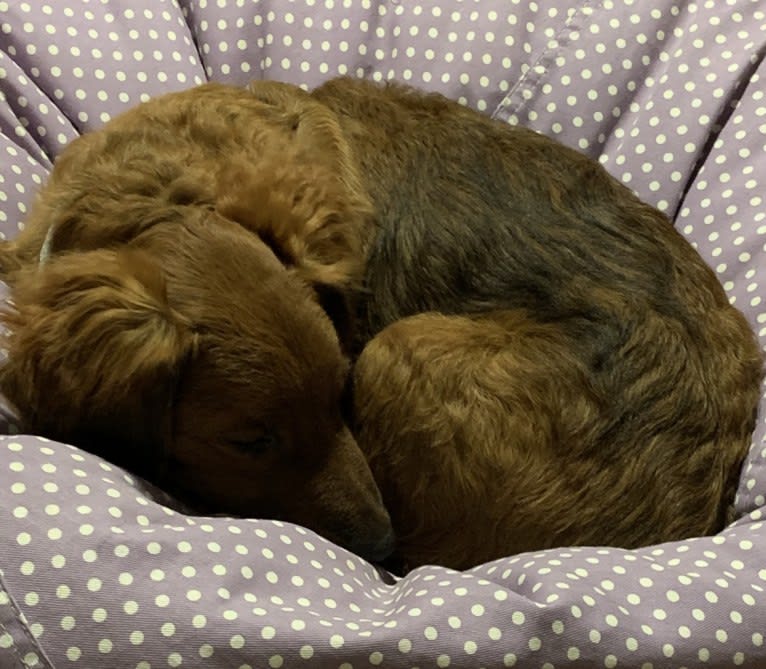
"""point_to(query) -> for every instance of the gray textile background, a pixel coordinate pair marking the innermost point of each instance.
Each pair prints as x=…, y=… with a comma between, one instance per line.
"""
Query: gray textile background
x=668, y=95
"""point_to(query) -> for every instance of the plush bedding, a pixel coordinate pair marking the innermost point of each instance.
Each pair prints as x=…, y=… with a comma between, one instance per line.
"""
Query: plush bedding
x=96, y=569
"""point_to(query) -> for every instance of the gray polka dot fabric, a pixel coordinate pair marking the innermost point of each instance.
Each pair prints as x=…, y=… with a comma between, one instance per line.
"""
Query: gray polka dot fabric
x=98, y=570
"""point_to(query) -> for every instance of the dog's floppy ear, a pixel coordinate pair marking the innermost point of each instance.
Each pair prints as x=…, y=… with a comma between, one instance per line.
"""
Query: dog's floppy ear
x=93, y=353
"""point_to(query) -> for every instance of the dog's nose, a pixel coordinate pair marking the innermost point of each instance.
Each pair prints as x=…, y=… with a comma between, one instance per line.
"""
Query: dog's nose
x=378, y=549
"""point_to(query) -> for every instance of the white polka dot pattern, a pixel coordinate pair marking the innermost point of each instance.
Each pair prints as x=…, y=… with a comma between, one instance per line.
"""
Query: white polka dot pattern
x=94, y=572
x=642, y=90
x=106, y=575
x=93, y=60
x=470, y=51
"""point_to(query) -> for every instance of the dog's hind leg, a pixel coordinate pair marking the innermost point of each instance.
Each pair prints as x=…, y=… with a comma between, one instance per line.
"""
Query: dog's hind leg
x=462, y=420
x=496, y=433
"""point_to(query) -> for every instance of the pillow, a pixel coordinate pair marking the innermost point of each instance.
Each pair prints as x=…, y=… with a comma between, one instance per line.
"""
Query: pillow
x=98, y=569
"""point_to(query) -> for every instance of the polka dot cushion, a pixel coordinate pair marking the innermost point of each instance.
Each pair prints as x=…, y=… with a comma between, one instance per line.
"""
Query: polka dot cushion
x=96, y=570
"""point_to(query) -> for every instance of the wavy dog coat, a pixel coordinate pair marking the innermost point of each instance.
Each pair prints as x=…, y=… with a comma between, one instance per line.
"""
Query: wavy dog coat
x=540, y=358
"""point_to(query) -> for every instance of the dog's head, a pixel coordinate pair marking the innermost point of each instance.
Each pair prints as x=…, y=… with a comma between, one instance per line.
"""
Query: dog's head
x=210, y=369
x=201, y=350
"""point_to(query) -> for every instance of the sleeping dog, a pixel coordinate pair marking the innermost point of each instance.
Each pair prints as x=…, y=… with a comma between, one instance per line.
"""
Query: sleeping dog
x=373, y=311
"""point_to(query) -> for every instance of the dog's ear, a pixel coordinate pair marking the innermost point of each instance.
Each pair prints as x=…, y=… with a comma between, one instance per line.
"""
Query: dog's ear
x=93, y=352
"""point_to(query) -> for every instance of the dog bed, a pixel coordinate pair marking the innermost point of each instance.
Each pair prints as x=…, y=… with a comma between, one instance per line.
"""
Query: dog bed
x=98, y=570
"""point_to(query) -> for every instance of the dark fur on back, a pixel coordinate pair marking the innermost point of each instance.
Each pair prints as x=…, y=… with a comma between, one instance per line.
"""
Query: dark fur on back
x=577, y=376
x=540, y=358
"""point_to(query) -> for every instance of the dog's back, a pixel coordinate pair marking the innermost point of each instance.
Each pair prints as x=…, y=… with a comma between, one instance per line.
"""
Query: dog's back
x=588, y=343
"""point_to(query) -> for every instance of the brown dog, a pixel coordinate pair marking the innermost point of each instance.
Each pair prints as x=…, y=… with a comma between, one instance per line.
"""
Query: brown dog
x=541, y=359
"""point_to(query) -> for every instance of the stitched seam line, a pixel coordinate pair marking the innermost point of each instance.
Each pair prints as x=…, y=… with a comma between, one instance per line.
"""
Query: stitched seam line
x=18, y=618
x=544, y=60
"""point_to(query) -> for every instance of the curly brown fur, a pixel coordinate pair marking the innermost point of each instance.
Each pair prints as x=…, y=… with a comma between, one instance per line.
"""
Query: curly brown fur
x=177, y=326
x=551, y=362
x=543, y=360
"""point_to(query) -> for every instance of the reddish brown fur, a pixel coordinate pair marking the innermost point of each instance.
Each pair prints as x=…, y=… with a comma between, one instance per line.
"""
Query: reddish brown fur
x=543, y=360
x=165, y=333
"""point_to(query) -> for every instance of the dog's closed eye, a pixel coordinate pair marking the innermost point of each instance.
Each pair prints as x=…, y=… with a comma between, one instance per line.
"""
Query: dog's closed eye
x=256, y=444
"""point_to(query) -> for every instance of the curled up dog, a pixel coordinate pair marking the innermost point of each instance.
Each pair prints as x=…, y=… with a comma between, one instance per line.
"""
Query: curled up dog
x=372, y=311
